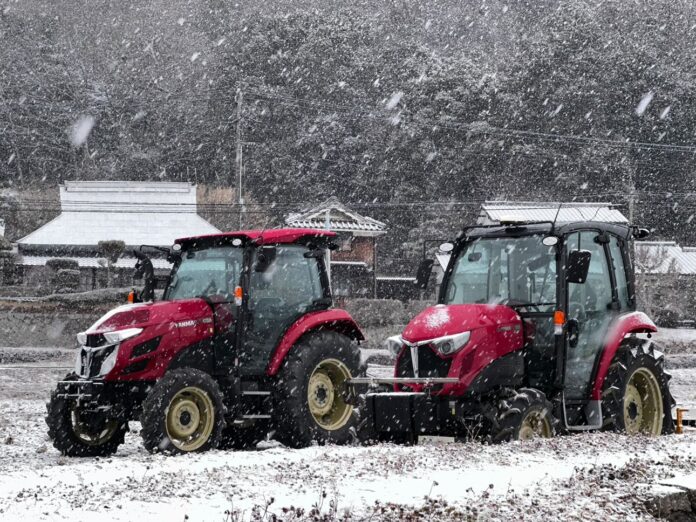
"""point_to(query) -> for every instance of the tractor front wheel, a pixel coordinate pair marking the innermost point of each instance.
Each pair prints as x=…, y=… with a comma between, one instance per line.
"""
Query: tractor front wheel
x=635, y=395
x=183, y=413
x=309, y=399
x=523, y=415
x=76, y=433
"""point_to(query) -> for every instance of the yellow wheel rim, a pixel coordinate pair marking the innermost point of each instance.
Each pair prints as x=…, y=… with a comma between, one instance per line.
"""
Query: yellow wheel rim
x=535, y=425
x=90, y=436
x=324, y=394
x=190, y=418
x=643, y=407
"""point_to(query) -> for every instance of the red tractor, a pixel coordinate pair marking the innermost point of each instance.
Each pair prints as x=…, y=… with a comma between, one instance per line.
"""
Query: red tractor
x=244, y=341
x=535, y=330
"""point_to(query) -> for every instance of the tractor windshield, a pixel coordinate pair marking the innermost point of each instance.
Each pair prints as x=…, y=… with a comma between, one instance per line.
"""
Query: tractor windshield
x=517, y=271
x=208, y=272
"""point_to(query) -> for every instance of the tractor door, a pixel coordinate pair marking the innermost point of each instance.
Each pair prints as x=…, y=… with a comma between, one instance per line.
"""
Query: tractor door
x=591, y=307
x=287, y=289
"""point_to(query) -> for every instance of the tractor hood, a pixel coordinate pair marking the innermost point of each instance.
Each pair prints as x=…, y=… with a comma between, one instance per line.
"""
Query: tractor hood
x=440, y=320
x=146, y=314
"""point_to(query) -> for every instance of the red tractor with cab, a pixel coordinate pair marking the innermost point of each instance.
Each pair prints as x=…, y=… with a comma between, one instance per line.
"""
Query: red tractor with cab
x=243, y=342
x=535, y=331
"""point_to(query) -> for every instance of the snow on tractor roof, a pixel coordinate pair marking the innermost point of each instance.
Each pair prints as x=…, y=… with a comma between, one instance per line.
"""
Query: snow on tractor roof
x=495, y=212
x=278, y=235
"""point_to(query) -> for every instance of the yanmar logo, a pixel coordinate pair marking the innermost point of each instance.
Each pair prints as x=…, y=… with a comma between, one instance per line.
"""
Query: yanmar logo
x=185, y=324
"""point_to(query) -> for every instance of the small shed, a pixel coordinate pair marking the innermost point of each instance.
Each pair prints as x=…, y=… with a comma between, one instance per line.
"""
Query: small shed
x=137, y=213
x=354, y=264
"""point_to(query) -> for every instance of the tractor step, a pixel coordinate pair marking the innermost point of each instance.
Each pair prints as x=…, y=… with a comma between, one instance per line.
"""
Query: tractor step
x=256, y=392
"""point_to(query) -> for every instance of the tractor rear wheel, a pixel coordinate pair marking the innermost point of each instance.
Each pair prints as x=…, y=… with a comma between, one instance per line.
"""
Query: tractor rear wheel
x=309, y=402
x=76, y=435
x=183, y=413
x=635, y=395
x=523, y=415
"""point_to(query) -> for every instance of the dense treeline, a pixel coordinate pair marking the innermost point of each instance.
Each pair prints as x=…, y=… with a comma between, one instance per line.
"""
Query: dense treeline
x=411, y=112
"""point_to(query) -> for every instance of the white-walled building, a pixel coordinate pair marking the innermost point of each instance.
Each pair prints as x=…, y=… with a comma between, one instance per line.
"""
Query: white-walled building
x=137, y=213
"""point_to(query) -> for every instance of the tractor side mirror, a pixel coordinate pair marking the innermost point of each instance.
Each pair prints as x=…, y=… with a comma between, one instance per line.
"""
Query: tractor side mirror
x=423, y=275
x=578, y=266
x=265, y=257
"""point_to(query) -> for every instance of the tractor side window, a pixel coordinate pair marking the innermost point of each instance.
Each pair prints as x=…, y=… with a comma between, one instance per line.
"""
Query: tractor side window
x=291, y=282
x=620, y=271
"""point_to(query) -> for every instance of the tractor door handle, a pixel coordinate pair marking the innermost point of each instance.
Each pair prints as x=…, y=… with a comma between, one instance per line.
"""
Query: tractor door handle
x=573, y=329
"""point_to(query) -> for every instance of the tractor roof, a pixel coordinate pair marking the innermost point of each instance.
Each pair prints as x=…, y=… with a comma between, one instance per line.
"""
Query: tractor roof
x=279, y=235
x=531, y=227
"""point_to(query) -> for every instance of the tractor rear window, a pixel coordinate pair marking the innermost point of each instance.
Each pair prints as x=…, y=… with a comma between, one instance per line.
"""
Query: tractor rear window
x=514, y=271
x=213, y=271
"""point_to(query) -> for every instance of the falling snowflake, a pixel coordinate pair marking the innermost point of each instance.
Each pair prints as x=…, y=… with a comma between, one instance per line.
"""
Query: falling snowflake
x=394, y=100
x=644, y=102
x=80, y=130
x=195, y=56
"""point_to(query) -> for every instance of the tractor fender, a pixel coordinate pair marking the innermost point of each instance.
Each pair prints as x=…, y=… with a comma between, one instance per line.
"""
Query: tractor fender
x=335, y=319
x=634, y=322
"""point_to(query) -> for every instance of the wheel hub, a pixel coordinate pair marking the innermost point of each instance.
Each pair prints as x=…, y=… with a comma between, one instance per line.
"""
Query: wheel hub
x=190, y=419
x=321, y=394
x=89, y=434
x=326, y=404
x=643, y=407
x=535, y=425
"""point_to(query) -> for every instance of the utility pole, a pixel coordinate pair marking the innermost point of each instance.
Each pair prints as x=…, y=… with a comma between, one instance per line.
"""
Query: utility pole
x=631, y=197
x=238, y=157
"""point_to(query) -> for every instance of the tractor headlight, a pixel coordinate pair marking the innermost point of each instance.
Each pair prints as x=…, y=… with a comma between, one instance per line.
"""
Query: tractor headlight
x=121, y=335
x=450, y=344
x=394, y=344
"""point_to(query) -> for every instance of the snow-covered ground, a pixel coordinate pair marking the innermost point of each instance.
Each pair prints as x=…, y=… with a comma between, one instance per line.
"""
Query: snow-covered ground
x=590, y=477
x=582, y=477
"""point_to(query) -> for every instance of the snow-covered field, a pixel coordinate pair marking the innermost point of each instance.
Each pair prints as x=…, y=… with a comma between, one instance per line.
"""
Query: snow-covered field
x=582, y=477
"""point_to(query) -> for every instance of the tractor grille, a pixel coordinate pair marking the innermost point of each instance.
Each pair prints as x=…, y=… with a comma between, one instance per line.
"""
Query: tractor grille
x=429, y=364
x=91, y=360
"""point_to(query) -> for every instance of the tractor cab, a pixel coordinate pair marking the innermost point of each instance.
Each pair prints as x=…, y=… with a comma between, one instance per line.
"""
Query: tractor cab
x=535, y=323
x=255, y=288
x=567, y=283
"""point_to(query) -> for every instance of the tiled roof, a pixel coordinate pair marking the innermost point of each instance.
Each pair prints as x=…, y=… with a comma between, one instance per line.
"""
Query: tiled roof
x=333, y=215
x=494, y=211
x=664, y=257
x=134, y=212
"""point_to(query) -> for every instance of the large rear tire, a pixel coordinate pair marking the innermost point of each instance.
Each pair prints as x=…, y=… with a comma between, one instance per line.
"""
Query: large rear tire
x=183, y=413
x=308, y=398
x=75, y=436
x=635, y=394
x=523, y=415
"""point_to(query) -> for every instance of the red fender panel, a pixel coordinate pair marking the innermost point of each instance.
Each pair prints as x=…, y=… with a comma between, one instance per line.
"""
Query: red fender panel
x=634, y=322
x=335, y=319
